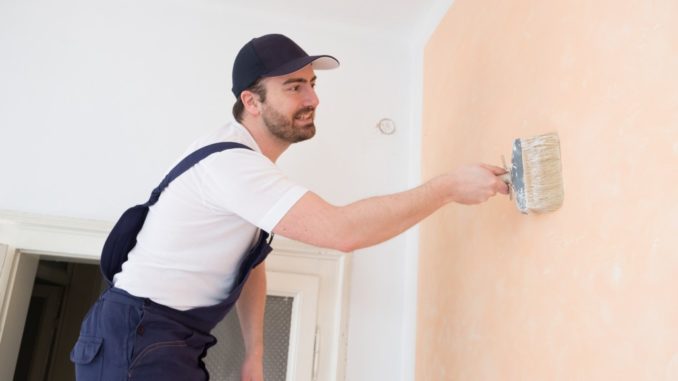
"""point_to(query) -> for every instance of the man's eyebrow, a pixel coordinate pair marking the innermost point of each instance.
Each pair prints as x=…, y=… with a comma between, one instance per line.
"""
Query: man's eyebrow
x=298, y=80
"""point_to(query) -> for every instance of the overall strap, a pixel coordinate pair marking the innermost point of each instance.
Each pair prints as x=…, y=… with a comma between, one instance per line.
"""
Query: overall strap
x=123, y=236
x=188, y=162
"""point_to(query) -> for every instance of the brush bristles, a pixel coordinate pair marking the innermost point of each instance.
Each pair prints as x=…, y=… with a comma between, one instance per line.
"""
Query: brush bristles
x=542, y=173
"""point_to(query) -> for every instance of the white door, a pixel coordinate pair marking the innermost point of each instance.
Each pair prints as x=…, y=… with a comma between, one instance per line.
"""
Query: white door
x=290, y=323
x=303, y=290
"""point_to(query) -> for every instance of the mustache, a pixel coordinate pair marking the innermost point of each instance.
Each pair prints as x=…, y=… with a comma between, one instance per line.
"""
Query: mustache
x=304, y=110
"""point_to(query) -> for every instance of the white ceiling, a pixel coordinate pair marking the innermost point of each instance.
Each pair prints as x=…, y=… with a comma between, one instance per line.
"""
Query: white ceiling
x=399, y=16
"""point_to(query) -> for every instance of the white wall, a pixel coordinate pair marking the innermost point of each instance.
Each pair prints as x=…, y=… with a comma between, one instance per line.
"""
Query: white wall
x=97, y=98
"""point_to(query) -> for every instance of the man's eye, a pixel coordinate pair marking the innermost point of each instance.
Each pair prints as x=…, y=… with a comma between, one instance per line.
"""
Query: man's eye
x=294, y=88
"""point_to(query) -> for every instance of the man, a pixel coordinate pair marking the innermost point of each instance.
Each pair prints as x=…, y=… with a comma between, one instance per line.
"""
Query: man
x=203, y=243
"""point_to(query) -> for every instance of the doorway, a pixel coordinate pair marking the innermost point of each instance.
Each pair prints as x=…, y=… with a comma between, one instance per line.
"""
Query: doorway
x=307, y=299
x=62, y=294
x=63, y=291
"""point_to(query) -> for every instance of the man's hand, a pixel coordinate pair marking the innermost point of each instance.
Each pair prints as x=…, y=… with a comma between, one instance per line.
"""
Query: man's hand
x=473, y=184
x=252, y=369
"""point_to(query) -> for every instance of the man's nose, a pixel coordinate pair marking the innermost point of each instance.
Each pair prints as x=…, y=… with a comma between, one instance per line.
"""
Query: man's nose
x=311, y=98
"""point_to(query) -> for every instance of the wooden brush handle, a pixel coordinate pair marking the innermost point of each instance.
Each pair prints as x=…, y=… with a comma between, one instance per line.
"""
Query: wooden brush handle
x=506, y=177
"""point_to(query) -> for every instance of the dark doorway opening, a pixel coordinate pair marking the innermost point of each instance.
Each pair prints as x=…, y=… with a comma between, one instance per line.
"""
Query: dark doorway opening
x=62, y=294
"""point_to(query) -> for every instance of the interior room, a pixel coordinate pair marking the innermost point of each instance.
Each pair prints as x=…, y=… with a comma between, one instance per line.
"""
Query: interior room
x=99, y=98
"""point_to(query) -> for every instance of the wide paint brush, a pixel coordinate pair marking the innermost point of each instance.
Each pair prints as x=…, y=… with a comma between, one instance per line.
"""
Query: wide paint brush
x=535, y=176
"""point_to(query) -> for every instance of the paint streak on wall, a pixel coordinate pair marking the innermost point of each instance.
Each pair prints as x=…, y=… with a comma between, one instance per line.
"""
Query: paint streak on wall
x=589, y=292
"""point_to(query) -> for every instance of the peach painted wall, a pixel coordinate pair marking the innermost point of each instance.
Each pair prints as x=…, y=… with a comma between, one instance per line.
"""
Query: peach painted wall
x=589, y=292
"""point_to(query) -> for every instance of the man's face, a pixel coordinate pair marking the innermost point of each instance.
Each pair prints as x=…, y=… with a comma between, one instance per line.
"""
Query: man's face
x=289, y=109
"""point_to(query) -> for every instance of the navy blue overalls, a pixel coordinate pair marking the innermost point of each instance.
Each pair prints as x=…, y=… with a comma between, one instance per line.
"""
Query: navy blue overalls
x=124, y=337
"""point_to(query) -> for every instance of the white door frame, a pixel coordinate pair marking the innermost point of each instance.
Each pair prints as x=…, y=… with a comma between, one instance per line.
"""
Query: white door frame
x=18, y=276
x=26, y=238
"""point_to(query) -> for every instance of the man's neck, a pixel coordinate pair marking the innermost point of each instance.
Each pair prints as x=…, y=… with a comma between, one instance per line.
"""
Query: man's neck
x=271, y=146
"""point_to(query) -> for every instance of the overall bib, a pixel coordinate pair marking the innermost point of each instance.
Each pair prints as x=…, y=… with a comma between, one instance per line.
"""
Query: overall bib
x=124, y=337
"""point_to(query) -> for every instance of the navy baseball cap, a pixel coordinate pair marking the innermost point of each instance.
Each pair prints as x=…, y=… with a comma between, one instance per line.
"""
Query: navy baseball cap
x=272, y=55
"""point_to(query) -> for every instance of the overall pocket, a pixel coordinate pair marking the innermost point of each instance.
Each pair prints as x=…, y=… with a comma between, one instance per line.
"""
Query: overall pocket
x=169, y=361
x=86, y=357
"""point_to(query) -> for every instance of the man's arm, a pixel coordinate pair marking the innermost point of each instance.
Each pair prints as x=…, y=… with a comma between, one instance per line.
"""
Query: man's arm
x=373, y=220
x=250, y=307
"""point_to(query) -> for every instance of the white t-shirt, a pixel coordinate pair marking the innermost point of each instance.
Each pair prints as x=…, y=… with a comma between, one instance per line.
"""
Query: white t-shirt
x=194, y=238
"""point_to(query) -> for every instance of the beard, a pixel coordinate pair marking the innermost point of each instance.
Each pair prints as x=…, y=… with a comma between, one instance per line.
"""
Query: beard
x=291, y=130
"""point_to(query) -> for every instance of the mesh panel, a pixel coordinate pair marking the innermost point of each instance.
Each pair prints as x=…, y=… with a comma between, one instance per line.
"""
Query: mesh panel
x=225, y=359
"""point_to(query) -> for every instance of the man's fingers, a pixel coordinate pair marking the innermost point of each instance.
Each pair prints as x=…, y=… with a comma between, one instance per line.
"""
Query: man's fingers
x=494, y=169
x=502, y=187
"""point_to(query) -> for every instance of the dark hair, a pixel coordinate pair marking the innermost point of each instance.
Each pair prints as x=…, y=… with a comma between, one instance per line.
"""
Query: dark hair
x=258, y=89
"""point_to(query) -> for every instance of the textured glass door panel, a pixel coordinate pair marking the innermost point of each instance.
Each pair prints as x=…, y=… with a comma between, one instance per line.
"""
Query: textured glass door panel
x=225, y=359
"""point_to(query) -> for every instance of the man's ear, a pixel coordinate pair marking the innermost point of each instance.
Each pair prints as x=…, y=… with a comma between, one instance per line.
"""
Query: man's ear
x=251, y=102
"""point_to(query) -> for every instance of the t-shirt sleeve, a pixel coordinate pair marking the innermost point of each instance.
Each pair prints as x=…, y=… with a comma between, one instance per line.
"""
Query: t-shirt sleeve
x=248, y=184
